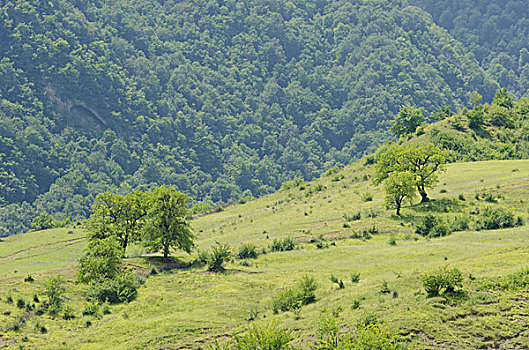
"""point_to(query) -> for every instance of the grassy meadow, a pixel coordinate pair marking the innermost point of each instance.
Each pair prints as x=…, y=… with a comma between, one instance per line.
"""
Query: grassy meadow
x=184, y=306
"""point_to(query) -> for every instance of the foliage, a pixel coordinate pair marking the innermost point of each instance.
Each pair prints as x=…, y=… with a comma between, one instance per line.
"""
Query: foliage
x=212, y=97
x=101, y=260
x=432, y=226
x=442, y=281
x=407, y=121
x=496, y=218
x=42, y=222
x=118, y=215
x=398, y=186
x=120, y=289
x=423, y=160
x=218, y=256
x=294, y=298
x=281, y=245
x=268, y=337
x=363, y=336
x=167, y=223
x=499, y=44
x=53, y=288
x=247, y=251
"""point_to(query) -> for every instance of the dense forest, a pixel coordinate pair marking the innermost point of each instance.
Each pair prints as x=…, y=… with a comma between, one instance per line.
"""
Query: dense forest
x=495, y=31
x=222, y=99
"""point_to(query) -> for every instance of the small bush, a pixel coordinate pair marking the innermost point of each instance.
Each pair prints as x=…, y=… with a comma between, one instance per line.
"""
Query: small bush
x=258, y=337
x=293, y=298
x=68, y=313
x=218, y=256
x=353, y=217
x=120, y=289
x=432, y=226
x=339, y=282
x=29, y=279
x=91, y=310
x=460, y=223
x=384, y=288
x=366, y=197
x=36, y=298
x=443, y=281
x=496, y=218
x=21, y=303
x=355, y=276
x=392, y=241
x=516, y=281
x=285, y=244
x=247, y=251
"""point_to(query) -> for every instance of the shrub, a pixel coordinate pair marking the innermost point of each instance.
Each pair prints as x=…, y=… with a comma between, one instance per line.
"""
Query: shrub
x=355, y=276
x=366, y=197
x=460, y=223
x=120, y=289
x=444, y=280
x=258, y=337
x=68, y=313
x=29, y=279
x=384, y=288
x=247, y=251
x=366, y=335
x=285, y=244
x=54, y=290
x=339, y=282
x=353, y=217
x=432, y=226
x=21, y=303
x=496, y=218
x=218, y=256
x=516, y=281
x=392, y=240
x=291, y=299
x=91, y=310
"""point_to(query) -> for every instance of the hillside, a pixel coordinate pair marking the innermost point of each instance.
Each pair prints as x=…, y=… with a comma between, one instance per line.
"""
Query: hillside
x=220, y=98
x=184, y=306
x=494, y=31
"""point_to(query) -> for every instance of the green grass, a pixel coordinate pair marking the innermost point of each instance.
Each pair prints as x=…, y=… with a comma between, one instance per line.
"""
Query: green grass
x=188, y=307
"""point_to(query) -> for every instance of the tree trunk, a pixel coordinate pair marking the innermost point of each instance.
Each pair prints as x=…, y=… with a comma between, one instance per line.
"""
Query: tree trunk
x=424, y=197
x=165, y=253
x=422, y=192
x=125, y=242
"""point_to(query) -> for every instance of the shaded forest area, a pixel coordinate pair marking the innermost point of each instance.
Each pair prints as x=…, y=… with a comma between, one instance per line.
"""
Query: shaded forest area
x=222, y=99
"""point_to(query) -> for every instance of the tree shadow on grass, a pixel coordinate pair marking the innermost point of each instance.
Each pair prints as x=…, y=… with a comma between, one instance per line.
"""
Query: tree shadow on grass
x=169, y=263
x=441, y=205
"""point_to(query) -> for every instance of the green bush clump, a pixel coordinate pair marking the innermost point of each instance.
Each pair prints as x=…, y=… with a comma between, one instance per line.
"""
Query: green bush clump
x=367, y=334
x=432, y=226
x=355, y=276
x=442, y=281
x=247, y=251
x=285, y=244
x=119, y=289
x=268, y=337
x=496, y=218
x=218, y=256
x=516, y=281
x=294, y=298
x=353, y=217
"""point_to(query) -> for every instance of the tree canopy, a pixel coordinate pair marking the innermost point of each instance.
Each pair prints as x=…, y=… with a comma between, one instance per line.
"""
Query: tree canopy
x=422, y=160
x=213, y=97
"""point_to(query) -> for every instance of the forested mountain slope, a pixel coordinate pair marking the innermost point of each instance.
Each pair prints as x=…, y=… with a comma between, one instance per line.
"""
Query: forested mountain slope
x=215, y=97
x=496, y=31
